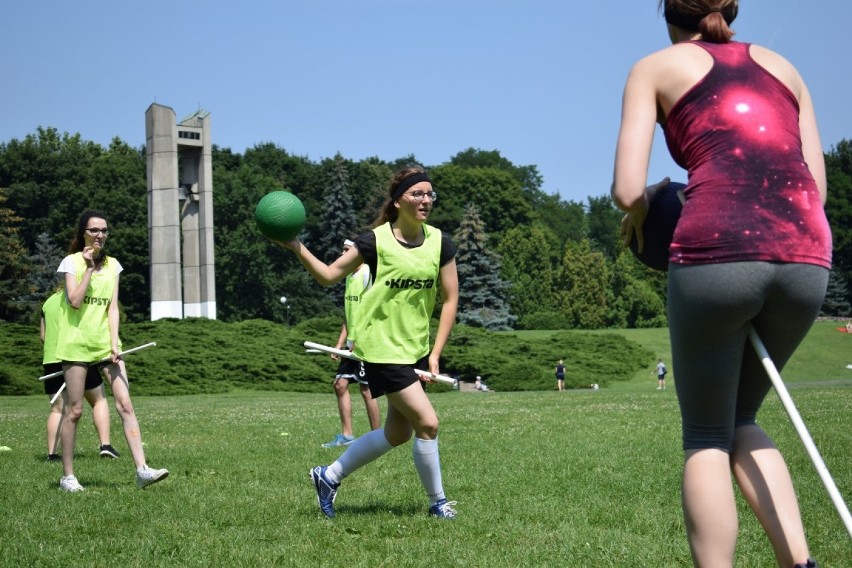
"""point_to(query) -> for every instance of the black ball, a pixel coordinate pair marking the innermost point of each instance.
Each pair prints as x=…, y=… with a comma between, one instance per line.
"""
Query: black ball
x=659, y=226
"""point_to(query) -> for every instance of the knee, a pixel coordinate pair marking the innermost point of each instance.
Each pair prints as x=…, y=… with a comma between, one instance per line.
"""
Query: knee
x=73, y=412
x=124, y=407
x=340, y=387
x=428, y=429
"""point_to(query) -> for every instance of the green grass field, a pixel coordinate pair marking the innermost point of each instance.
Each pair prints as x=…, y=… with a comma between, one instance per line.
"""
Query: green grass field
x=580, y=478
x=541, y=478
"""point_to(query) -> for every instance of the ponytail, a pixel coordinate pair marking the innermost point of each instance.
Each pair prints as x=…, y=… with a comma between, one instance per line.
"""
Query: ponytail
x=714, y=28
x=710, y=18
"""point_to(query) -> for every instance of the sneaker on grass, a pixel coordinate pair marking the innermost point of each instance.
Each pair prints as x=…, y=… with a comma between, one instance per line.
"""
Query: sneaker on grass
x=70, y=484
x=108, y=451
x=443, y=509
x=339, y=440
x=146, y=476
x=326, y=490
x=54, y=457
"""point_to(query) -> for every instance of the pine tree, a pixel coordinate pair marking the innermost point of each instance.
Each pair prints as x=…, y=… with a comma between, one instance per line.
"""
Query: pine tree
x=482, y=292
x=43, y=263
x=337, y=218
x=836, y=296
x=13, y=266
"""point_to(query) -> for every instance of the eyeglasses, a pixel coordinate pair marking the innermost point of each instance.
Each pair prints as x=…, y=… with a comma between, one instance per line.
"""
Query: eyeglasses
x=94, y=231
x=419, y=195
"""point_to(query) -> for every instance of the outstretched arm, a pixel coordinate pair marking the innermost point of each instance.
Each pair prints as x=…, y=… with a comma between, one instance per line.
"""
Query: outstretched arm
x=325, y=274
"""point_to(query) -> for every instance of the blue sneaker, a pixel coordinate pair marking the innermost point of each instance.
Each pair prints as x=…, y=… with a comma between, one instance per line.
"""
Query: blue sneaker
x=326, y=490
x=339, y=440
x=443, y=509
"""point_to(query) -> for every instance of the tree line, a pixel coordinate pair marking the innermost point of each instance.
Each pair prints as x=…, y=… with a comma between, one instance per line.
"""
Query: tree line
x=527, y=259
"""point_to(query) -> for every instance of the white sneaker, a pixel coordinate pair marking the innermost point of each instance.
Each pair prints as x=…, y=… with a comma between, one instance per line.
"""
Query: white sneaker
x=70, y=484
x=146, y=476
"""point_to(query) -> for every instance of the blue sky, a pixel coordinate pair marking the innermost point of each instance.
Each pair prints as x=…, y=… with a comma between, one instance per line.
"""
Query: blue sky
x=538, y=80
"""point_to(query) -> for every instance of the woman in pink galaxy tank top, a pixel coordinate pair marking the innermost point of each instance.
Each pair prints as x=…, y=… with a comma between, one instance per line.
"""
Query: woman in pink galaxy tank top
x=752, y=248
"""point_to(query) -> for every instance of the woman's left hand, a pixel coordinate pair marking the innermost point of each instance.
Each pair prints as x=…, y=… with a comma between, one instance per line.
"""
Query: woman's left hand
x=434, y=368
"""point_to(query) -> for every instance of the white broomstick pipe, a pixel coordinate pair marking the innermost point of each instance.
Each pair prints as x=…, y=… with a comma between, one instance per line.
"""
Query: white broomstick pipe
x=317, y=347
x=104, y=360
x=796, y=419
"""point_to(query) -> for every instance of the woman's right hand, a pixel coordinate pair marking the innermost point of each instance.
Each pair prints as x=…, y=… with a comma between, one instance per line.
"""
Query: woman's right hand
x=633, y=221
x=89, y=256
x=292, y=244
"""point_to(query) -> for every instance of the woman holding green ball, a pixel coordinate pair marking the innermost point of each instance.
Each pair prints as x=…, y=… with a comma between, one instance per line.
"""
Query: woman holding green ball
x=409, y=261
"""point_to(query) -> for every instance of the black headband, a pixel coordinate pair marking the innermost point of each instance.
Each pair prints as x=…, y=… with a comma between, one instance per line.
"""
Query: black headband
x=689, y=22
x=407, y=183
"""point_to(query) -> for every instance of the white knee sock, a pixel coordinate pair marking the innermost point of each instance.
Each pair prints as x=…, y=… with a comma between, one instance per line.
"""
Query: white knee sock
x=362, y=451
x=427, y=462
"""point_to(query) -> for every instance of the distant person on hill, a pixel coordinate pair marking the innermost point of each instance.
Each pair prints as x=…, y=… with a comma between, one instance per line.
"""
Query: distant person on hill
x=87, y=333
x=661, y=375
x=479, y=385
x=350, y=371
x=94, y=393
x=560, y=375
x=752, y=248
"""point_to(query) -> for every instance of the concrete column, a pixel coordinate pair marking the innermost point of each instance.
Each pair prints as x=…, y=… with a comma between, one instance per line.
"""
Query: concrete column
x=195, y=149
x=163, y=215
x=189, y=158
x=206, y=260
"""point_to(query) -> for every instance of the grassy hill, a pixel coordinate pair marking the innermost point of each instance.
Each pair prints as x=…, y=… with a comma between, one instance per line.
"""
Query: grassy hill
x=195, y=356
x=822, y=356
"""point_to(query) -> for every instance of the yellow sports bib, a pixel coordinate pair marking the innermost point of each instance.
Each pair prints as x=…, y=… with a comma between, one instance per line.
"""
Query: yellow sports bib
x=84, y=332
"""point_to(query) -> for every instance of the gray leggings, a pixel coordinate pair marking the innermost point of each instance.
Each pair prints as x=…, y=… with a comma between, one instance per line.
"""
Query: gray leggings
x=719, y=380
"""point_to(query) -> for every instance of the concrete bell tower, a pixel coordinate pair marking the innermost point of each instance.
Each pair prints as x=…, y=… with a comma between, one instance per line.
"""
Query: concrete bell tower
x=180, y=210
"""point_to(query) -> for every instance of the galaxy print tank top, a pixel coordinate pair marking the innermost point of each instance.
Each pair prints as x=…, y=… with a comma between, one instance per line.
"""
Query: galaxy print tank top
x=750, y=195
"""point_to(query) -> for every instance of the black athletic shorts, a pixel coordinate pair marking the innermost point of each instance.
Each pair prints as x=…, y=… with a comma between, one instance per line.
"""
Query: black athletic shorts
x=52, y=386
x=390, y=378
x=352, y=371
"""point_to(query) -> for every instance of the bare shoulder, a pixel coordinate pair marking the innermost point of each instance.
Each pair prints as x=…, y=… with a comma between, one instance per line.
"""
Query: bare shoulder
x=779, y=66
x=760, y=53
x=672, y=71
x=653, y=60
x=680, y=58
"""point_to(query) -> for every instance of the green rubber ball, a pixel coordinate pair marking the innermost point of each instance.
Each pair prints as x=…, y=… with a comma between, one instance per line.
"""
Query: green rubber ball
x=280, y=215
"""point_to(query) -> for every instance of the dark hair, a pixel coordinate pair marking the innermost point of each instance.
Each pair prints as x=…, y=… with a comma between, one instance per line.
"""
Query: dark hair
x=78, y=241
x=710, y=18
x=388, y=212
